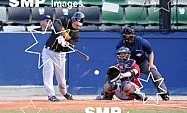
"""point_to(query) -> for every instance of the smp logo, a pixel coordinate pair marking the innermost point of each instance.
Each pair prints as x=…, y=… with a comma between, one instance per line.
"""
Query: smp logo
x=26, y=3
x=104, y=110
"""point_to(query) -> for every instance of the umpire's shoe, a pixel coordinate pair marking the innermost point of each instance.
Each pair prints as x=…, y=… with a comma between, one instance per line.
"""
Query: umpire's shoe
x=165, y=96
x=68, y=96
x=53, y=99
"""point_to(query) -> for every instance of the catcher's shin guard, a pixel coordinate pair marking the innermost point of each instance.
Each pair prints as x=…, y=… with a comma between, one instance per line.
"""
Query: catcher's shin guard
x=105, y=96
x=109, y=96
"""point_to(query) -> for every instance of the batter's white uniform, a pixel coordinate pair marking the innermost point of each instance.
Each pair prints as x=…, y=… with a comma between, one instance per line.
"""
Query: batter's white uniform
x=54, y=55
x=54, y=62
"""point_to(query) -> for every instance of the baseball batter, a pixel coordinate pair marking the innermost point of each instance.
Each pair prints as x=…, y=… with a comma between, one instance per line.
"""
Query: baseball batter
x=55, y=49
x=121, y=79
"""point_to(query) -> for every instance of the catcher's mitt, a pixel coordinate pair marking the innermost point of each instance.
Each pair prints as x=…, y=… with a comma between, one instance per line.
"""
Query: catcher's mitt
x=113, y=74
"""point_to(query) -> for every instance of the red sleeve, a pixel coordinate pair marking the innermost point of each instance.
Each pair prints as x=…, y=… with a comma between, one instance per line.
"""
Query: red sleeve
x=135, y=66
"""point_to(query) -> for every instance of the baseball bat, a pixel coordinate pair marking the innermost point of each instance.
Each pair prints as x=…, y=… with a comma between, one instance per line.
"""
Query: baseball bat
x=81, y=54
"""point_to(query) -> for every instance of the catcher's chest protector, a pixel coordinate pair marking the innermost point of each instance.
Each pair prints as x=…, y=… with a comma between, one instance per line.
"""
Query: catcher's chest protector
x=124, y=67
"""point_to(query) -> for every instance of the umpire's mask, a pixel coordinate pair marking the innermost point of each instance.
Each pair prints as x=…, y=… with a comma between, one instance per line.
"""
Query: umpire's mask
x=128, y=34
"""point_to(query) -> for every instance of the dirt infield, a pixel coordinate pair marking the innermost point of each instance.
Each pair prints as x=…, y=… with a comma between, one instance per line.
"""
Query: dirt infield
x=34, y=98
x=82, y=104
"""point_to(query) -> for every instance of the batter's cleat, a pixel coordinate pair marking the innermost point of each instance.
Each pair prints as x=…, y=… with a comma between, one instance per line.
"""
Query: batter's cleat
x=144, y=98
x=68, y=96
x=165, y=96
x=53, y=99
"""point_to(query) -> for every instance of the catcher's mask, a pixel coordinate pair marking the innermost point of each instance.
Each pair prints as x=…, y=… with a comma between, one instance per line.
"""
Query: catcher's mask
x=123, y=54
x=128, y=34
x=78, y=17
x=113, y=73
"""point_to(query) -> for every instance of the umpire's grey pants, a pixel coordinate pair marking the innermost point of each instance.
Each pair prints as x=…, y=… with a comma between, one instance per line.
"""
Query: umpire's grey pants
x=144, y=68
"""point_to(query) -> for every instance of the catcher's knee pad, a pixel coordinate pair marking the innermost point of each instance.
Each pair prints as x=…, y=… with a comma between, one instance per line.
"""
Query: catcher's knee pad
x=110, y=86
x=128, y=88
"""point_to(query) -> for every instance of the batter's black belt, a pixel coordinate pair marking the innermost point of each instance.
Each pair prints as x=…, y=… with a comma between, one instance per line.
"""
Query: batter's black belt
x=49, y=48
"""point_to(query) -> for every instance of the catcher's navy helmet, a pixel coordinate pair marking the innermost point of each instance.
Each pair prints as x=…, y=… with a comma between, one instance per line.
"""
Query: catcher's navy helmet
x=124, y=57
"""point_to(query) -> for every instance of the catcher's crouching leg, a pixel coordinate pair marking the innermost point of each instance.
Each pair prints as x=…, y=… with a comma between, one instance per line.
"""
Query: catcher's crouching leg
x=109, y=88
x=108, y=91
x=132, y=91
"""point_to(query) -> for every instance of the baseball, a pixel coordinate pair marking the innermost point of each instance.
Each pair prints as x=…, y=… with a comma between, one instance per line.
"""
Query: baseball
x=96, y=72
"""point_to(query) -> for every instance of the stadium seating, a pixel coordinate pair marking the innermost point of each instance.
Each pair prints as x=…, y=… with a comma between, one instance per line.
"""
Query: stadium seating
x=119, y=2
x=130, y=12
x=153, y=16
x=154, y=2
x=37, y=13
x=14, y=28
x=28, y=28
x=179, y=2
x=92, y=14
x=3, y=14
x=92, y=2
x=111, y=18
x=89, y=28
x=179, y=18
x=138, y=2
x=182, y=27
x=64, y=12
x=18, y=15
x=4, y=2
x=136, y=15
x=151, y=27
x=110, y=28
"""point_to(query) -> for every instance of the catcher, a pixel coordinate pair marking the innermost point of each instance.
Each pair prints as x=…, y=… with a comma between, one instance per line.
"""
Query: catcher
x=121, y=79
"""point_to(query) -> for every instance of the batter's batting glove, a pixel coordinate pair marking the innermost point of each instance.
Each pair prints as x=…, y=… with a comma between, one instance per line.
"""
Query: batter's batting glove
x=60, y=39
x=65, y=44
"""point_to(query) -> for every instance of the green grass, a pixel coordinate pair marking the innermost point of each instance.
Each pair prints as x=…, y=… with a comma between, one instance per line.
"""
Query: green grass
x=81, y=111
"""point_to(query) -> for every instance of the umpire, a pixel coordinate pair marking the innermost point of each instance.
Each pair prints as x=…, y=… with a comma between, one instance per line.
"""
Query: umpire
x=140, y=48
